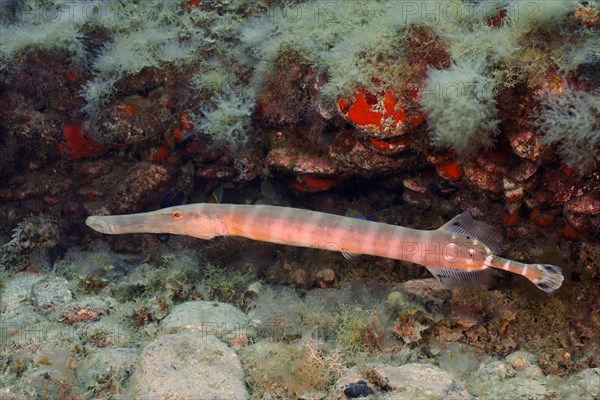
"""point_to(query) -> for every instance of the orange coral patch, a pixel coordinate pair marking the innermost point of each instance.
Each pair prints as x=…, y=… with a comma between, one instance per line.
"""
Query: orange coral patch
x=177, y=134
x=389, y=102
x=449, y=170
x=417, y=120
x=381, y=144
x=568, y=171
x=77, y=146
x=568, y=232
x=161, y=153
x=191, y=3
x=360, y=112
x=539, y=218
x=263, y=104
x=400, y=115
x=312, y=183
x=127, y=108
x=72, y=75
x=387, y=146
x=511, y=218
x=368, y=108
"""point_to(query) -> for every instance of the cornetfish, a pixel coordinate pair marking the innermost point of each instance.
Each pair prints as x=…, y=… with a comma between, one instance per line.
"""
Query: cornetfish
x=461, y=252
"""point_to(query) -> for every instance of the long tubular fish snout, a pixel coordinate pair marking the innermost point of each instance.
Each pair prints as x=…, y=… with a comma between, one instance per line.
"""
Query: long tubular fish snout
x=101, y=224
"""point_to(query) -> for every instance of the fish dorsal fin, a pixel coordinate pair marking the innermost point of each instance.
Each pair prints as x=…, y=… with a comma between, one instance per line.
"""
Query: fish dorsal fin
x=454, y=278
x=465, y=225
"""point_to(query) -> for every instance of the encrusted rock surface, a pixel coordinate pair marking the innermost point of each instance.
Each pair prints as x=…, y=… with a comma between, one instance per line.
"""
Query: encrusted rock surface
x=188, y=366
x=409, y=381
x=205, y=317
x=51, y=292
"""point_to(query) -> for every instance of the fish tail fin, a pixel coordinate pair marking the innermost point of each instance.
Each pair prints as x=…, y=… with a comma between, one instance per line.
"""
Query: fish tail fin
x=546, y=277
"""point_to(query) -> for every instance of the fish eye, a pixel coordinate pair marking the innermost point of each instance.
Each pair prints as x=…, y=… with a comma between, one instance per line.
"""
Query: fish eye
x=177, y=215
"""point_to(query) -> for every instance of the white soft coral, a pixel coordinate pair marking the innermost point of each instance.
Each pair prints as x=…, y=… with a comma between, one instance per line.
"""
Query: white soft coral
x=460, y=106
x=227, y=119
x=571, y=120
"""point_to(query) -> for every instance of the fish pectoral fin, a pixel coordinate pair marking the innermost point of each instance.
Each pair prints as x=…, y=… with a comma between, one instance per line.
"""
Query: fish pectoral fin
x=465, y=225
x=231, y=241
x=454, y=278
x=349, y=256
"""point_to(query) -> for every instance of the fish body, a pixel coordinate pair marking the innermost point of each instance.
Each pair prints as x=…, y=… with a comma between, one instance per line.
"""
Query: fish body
x=462, y=251
x=169, y=199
